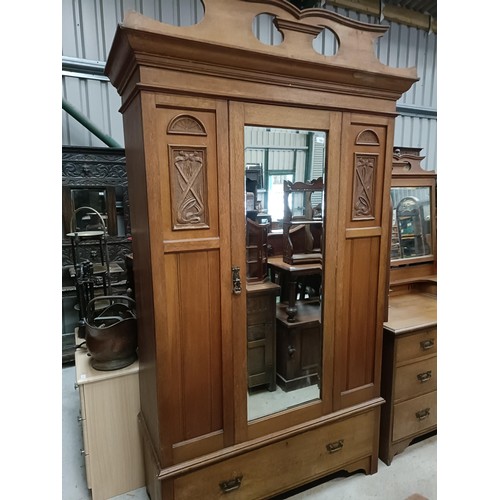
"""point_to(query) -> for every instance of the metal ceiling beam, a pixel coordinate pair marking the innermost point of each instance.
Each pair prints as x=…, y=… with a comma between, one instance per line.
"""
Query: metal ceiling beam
x=387, y=10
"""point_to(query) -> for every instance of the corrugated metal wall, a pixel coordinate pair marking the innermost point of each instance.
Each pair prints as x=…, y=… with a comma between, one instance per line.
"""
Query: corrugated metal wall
x=88, y=30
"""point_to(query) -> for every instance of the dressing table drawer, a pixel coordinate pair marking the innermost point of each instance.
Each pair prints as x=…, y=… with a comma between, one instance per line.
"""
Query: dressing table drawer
x=415, y=416
x=415, y=379
x=421, y=343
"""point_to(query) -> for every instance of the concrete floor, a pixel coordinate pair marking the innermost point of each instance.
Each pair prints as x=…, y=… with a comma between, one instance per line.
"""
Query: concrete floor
x=412, y=474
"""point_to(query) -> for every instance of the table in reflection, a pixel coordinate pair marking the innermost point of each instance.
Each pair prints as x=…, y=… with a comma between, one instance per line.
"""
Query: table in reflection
x=287, y=276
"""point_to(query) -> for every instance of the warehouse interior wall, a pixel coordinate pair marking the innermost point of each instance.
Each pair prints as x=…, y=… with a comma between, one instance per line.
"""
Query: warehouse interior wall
x=88, y=29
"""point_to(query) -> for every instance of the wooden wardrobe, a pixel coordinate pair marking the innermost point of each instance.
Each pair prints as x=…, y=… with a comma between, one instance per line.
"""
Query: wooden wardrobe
x=187, y=95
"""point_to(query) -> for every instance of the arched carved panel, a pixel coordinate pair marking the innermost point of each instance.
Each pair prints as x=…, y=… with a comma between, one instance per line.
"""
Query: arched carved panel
x=367, y=138
x=363, y=205
x=188, y=187
x=186, y=125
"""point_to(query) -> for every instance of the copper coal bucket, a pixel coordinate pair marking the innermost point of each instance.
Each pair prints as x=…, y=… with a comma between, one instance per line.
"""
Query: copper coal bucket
x=111, y=333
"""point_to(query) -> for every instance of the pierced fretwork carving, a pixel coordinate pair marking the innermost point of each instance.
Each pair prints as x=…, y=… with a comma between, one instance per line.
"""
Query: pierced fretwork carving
x=186, y=125
x=367, y=137
x=188, y=174
x=364, y=178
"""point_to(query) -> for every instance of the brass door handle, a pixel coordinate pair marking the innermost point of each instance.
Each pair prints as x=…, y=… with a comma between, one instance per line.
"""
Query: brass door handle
x=236, y=280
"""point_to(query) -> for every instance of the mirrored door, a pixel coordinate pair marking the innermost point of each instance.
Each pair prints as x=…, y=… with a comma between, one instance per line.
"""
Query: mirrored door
x=284, y=207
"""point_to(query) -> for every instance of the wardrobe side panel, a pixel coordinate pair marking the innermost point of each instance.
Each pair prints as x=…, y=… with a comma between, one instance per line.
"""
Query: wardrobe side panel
x=139, y=184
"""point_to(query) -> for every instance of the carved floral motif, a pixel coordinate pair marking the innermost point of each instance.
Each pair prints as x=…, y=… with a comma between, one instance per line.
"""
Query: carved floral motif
x=363, y=203
x=189, y=187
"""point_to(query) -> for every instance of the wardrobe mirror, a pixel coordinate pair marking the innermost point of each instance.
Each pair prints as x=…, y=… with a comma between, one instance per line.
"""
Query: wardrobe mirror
x=284, y=210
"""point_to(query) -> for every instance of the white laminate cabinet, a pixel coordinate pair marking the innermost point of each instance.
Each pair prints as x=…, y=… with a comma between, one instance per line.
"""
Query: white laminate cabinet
x=109, y=405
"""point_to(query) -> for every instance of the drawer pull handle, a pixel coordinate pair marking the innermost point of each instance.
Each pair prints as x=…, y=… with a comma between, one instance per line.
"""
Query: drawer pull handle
x=231, y=485
x=427, y=344
x=425, y=376
x=423, y=414
x=333, y=447
x=291, y=351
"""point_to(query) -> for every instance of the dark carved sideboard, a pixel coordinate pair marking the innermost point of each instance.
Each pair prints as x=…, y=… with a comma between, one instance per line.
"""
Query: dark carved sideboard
x=103, y=170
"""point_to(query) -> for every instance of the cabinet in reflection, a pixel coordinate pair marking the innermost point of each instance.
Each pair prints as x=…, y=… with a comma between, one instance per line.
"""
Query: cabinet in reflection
x=298, y=347
x=188, y=95
x=261, y=334
x=256, y=246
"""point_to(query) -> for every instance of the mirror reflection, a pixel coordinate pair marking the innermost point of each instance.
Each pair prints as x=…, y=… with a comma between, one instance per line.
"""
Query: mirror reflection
x=411, y=222
x=94, y=198
x=107, y=201
x=284, y=171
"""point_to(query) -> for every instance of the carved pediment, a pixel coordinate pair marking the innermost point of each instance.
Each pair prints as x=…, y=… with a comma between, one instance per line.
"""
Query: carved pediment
x=235, y=52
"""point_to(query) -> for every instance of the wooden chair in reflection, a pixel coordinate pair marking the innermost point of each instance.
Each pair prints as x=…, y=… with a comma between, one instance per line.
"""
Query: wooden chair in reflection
x=303, y=221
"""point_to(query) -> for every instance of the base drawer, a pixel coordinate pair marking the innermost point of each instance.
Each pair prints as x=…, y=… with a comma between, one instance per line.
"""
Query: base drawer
x=415, y=416
x=285, y=464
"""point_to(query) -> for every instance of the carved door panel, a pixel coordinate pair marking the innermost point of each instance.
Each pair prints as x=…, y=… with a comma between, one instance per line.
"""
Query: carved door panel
x=193, y=184
x=362, y=257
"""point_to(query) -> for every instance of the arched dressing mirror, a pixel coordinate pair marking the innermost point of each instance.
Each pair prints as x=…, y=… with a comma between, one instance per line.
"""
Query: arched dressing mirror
x=284, y=201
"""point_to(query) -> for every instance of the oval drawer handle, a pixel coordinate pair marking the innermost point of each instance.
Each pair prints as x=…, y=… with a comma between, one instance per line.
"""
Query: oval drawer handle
x=427, y=344
x=333, y=447
x=423, y=414
x=231, y=485
x=425, y=376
